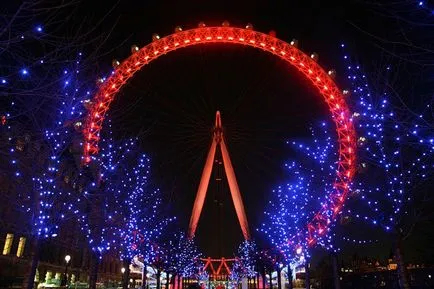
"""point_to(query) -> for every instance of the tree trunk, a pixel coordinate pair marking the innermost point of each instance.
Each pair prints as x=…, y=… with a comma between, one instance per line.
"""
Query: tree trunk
x=158, y=275
x=36, y=249
x=93, y=270
x=289, y=277
x=306, y=267
x=144, y=276
x=336, y=279
x=279, y=279
x=271, y=280
x=179, y=281
x=402, y=271
x=263, y=279
x=167, y=280
x=257, y=280
x=126, y=277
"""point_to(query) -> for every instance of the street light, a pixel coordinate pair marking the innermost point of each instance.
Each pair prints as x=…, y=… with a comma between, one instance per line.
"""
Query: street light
x=123, y=270
x=299, y=250
x=65, y=274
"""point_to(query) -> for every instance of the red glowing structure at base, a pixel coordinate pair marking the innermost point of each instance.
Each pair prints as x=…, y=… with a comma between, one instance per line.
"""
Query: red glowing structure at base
x=217, y=267
x=288, y=52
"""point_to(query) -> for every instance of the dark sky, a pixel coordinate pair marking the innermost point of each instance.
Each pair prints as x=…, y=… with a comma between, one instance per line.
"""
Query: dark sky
x=171, y=103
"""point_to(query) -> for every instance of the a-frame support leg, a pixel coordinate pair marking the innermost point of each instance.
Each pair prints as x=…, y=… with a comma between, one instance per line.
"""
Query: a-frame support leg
x=235, y=191
x=218, y=140
x=201, y=192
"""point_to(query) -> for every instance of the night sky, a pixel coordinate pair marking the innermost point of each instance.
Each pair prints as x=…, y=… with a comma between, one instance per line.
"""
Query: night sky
x=171, y=103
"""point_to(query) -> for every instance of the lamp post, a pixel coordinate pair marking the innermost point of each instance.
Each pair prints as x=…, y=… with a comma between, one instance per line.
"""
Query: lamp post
x=65, y=274
x=123, y=276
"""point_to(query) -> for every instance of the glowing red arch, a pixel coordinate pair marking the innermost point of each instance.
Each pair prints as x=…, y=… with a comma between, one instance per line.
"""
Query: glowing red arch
x=231, y=35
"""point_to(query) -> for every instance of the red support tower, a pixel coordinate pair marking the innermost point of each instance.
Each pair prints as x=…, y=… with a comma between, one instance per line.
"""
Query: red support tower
x=218, y=141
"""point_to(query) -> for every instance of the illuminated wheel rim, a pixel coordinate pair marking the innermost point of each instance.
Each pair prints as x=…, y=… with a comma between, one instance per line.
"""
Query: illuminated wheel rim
x=288, y=52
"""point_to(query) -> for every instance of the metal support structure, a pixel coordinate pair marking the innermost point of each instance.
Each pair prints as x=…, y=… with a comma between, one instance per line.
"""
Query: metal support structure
x=218, y=141
x=221, y=264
